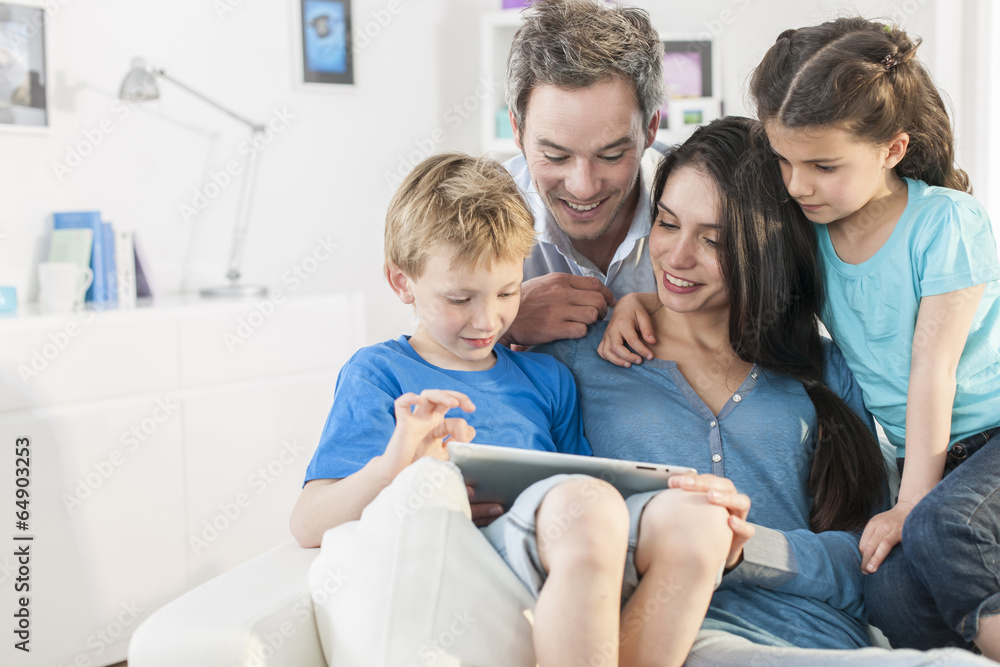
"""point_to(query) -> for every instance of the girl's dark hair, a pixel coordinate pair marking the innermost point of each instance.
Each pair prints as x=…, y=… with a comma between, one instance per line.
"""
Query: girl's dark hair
x=864, y=77
x=766, y=251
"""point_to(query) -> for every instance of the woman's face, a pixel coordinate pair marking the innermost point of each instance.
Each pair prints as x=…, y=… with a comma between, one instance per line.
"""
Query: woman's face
x=682, y=244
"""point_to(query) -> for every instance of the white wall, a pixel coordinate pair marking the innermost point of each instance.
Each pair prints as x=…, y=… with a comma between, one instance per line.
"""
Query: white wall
x=330, y=173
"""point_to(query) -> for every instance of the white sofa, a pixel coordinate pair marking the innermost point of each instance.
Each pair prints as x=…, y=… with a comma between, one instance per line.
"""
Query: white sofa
x=398, y=587
x=262, y=614
x=257, y=615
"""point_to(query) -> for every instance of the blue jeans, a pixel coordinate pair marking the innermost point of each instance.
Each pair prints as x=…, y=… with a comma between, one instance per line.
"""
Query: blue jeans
x=932, y=589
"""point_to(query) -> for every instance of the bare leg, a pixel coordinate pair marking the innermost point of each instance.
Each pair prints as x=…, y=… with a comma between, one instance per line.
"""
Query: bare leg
x=988, y=639
x=683, y=544
x=582, y=529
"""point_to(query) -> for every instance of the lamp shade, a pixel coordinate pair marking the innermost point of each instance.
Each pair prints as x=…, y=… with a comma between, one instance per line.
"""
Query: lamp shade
x=139, y=84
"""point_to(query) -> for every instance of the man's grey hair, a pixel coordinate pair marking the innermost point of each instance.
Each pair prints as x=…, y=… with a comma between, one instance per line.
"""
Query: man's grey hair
x=579, y=43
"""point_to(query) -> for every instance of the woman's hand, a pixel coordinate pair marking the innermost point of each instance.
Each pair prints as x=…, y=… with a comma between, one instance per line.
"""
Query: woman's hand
x=883, y=532
x=421, y=427
x=630, y=325
x=722, y=492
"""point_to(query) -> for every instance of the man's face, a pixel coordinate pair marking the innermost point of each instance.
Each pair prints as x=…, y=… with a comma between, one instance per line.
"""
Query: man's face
x=583, y=148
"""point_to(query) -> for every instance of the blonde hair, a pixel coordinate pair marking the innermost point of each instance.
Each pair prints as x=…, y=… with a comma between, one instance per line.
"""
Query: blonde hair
x=470, y=205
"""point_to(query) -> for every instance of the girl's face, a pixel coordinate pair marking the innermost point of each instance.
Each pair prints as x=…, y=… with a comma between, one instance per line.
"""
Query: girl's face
x=830, y=173
x=682, y=243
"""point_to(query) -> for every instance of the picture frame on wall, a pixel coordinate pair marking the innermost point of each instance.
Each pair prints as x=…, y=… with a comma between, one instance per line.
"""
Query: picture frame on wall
x=325, y=35
x=24, y=98
x=690, y=71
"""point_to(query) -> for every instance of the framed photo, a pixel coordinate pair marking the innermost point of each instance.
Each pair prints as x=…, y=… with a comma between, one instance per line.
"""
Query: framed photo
x=687, y=113
x=23, y=78
x=690, y=70
x=325, y=33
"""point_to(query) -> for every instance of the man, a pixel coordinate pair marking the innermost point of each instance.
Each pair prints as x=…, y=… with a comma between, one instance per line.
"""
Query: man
x=584, y=88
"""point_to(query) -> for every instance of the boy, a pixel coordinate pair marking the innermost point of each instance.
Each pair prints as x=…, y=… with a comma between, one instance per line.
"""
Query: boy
x=457, y=234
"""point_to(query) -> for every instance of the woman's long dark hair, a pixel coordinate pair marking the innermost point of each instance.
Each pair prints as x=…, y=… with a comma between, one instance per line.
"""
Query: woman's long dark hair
x=767, y=257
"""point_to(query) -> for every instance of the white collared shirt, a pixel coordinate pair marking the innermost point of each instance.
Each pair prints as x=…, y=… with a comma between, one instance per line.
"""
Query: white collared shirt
x=630, y=269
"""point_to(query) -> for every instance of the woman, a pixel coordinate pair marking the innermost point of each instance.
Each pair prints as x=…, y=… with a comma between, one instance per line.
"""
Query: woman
x=742, y=386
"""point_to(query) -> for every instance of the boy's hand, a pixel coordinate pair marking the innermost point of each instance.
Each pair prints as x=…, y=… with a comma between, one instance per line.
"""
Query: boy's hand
x=883, y=532
x=630, y=325
x=722, y=492
x=557, y=306
x=421, y=426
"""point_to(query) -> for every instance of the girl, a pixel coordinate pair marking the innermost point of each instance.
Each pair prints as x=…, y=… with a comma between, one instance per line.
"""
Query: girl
x=910, y=266
x=910, y=269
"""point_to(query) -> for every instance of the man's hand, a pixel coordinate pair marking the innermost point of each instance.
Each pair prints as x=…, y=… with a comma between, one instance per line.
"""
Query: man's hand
x=557, y=306
x=722, y=492
x=630, y=326
x=421, y=427
x=883, y=532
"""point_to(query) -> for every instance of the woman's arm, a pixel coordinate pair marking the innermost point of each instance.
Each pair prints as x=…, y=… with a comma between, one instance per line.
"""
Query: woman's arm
x=823, y=566
x=943, y=323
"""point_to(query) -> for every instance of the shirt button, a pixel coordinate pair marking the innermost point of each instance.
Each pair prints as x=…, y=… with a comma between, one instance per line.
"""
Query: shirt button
x=737, y=398
x=753, y=375
x=716, y=458
x=712, y=423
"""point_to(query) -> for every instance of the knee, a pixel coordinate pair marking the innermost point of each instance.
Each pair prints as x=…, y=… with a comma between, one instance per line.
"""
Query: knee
x=684, y=527
x=929, y=528
x=584, y=521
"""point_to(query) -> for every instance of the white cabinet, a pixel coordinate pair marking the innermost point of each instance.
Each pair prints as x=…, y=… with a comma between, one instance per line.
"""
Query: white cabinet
x=168, y=445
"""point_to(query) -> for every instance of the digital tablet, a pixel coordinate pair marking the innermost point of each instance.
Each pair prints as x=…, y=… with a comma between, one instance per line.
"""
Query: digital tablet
x=500, y=474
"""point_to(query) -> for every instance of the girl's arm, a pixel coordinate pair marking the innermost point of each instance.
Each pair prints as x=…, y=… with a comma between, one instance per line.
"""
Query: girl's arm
x=630, y=325
x=420, y=431
x=943, y=323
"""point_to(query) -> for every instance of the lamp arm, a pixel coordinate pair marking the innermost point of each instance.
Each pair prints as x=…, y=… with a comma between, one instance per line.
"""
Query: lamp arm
x=233, y=273
x=253, y=126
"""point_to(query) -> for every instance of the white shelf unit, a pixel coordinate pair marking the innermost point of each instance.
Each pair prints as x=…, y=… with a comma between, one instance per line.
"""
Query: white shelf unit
x=498, y=30
x=163, y=453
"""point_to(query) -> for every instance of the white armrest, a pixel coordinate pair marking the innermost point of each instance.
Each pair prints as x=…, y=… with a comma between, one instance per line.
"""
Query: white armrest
x=257, y=615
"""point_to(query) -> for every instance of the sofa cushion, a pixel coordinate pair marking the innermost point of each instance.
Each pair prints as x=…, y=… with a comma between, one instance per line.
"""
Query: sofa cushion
x=413, y=582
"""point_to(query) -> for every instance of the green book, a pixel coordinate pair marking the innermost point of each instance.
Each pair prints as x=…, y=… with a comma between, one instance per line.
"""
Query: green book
x=71, y=245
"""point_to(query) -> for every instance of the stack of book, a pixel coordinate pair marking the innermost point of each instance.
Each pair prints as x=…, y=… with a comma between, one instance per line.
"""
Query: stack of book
x=84, y=238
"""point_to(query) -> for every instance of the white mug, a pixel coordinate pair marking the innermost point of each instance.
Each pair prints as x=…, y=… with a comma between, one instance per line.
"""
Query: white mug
x=62, y=285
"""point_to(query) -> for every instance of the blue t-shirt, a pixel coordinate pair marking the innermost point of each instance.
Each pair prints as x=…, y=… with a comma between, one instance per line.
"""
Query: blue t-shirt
x=943, y=242
x=794, y=587
x=526, y=400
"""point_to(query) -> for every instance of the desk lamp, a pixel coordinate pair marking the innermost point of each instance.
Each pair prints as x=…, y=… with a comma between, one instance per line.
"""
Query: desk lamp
x=140, y=85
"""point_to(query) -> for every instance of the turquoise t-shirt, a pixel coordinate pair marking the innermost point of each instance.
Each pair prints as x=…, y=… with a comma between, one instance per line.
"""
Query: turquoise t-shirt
x=942, y=243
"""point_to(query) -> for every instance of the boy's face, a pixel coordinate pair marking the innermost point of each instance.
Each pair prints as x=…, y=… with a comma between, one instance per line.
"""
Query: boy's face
x=463, y=311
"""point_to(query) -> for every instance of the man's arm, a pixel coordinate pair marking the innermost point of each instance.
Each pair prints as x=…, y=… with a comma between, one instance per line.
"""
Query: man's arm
x=557, y=306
